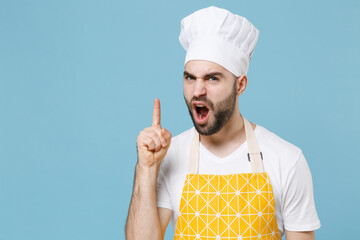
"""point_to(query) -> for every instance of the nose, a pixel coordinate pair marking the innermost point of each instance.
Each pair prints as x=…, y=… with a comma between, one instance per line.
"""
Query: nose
x=199, y=89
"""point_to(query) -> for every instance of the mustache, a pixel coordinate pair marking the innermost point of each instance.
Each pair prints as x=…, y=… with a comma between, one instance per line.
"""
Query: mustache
x=203, y=99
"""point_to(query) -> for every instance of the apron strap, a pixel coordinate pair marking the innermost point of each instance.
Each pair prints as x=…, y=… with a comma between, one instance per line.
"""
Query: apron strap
x=254, y=155
x=194, y=154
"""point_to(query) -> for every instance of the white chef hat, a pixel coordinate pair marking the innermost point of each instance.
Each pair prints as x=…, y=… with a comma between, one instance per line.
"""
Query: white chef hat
x=215, y=34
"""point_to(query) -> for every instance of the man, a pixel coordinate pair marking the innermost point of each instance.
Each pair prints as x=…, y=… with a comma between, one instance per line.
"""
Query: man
x=226, y=178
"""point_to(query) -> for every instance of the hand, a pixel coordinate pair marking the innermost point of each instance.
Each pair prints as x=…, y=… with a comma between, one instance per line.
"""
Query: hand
x=153, y=142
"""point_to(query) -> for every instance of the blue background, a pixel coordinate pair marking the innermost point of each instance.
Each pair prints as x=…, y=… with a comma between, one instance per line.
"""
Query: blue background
x=77, y=84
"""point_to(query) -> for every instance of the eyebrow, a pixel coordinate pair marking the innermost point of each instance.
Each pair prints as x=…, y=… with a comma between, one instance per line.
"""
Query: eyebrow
x=211, y=74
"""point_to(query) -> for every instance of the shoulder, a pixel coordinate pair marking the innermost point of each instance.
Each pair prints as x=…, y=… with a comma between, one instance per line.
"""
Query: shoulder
x=291, y=182
x=174, y=166
x=179, y=149
x=183, y=137
x=276, y=150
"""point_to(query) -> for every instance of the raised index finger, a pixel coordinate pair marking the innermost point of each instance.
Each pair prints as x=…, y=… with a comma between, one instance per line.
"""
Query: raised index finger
x=156, y=113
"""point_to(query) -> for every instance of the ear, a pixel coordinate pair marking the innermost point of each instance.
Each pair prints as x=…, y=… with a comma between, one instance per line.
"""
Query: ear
x=241, y=83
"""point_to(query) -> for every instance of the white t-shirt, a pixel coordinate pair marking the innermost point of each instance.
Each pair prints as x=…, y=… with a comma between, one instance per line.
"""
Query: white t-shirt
x=284, y=162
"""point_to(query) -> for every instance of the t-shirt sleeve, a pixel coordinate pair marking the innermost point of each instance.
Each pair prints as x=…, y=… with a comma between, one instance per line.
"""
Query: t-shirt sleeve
x=299, y=212
x=162, y=193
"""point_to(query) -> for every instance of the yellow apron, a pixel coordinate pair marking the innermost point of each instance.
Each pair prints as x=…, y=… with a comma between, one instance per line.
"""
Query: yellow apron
x=234, y=206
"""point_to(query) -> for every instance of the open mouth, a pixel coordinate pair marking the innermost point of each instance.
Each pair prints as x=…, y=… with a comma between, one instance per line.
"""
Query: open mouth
x=201, y=112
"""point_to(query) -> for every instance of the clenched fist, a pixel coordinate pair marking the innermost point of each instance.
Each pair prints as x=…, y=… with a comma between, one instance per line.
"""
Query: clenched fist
x=153, y=142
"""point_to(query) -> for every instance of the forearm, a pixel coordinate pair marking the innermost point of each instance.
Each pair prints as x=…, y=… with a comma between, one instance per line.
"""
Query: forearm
x=143, y=221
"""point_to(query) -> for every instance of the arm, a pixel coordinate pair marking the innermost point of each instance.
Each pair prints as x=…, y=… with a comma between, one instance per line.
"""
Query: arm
x=299, y=213
x=291, y=235
x=164, y=216
x=143, y=210
x=145, y=220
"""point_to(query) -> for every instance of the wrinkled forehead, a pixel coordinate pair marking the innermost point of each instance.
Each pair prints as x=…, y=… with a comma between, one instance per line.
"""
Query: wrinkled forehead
x=204, y=67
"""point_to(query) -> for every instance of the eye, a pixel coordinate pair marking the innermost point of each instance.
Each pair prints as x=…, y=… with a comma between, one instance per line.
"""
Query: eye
x=213, y=79
x=187, y=77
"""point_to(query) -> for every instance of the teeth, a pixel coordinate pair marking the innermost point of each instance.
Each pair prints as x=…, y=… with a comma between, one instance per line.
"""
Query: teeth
x=200, y=105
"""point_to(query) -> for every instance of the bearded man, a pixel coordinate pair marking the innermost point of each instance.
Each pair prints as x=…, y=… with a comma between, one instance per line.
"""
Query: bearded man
x=225, y=178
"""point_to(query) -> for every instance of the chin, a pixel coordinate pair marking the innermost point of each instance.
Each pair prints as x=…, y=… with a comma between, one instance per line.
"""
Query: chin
x=205, y=130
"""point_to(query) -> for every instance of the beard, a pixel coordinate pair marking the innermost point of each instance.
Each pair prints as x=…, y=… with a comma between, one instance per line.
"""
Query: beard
x=222, y=110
